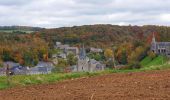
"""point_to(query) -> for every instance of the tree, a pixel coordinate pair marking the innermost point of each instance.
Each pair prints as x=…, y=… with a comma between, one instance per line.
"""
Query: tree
x=28, y=59
x=72, y=60
x=1, y=63
x=17, y=56
x=62, y=63
x=108, y=53
x=6, y=55
x=134, y=58
x=124, y=57
x=151, y=54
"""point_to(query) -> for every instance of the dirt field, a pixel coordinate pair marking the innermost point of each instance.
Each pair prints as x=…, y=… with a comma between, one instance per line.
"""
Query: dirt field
x=153, y=85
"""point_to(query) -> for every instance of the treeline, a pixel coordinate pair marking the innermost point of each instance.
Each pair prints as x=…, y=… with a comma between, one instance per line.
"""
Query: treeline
x=26, y=28
x=103, y=35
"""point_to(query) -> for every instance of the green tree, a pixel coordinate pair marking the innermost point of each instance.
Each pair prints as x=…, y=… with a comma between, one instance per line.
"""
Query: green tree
x=124, y=57
x=28, y=59
x=72, y=60
x=6, y=55
x=1, y=63
x=62, y=63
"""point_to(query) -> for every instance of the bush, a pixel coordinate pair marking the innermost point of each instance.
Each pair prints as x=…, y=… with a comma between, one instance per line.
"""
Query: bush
x=135, y=65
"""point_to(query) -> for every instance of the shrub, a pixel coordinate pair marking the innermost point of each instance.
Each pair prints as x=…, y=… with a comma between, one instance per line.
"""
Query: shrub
x=135, y=65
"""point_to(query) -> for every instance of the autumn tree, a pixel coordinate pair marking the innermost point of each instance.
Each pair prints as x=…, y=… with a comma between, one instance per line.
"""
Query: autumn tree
x=108, y=53
x=151, y=54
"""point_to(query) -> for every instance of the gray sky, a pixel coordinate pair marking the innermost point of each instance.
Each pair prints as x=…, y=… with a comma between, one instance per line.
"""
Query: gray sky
x=59, y=13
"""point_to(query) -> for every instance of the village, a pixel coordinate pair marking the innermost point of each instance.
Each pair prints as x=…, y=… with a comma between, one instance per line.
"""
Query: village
x=78, y=60
x=82, y=62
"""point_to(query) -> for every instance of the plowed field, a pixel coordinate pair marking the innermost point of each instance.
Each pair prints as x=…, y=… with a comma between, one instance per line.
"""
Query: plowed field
x=152, y=85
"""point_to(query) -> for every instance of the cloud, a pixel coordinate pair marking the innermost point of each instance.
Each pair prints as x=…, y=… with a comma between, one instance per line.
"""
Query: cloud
x=14, y=2
x=59, y=13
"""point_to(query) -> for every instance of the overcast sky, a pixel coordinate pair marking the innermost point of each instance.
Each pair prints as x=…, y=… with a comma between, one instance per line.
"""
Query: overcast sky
x=59, y=13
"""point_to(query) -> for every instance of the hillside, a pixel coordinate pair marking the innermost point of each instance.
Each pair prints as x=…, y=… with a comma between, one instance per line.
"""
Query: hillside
x=104, y=35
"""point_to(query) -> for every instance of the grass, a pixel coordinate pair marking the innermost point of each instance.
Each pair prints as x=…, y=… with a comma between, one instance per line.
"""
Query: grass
x=160, y=62
x=23, y=80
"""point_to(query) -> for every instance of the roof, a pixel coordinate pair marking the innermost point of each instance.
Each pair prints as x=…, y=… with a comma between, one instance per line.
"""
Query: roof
x=93, y=61
x=82, y=54
x=44, y=64
x=2, y=69
x=163, y=43
x=10, y=63
x=72, y=48
x=96, y=49
x=63, y=46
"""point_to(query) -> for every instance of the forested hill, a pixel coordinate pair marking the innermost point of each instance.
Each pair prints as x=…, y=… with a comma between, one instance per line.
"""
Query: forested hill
x=104, y=35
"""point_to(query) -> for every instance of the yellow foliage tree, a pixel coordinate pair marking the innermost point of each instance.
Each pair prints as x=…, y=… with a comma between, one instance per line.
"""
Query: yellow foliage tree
x=108, y=53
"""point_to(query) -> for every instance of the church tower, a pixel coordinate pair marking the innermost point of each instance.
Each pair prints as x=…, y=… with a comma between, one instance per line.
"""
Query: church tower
x=153, y=43
x=83, y=60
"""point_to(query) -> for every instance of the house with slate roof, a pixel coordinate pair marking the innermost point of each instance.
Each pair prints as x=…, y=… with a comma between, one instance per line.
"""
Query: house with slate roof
x=41, y=68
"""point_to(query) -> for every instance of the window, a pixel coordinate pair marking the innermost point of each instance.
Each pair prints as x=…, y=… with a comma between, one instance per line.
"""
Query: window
x=153, y=51
x=164, y=51
x=159, y=51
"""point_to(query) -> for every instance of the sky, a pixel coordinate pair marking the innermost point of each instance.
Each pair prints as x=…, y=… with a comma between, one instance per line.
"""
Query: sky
x=64, y=13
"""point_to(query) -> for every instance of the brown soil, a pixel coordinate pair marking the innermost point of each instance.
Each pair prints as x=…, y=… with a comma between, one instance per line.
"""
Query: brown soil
x=153, y=85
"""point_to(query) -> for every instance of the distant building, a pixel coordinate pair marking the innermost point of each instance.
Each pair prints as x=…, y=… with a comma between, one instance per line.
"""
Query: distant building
x=58, y=43
x=160, y=48
x=41, y=68
x=61, y=46
x=16, y=69
x=86, y=64
x=62, y=55
x=73, y=50
x=95, y=50
x=2, y=71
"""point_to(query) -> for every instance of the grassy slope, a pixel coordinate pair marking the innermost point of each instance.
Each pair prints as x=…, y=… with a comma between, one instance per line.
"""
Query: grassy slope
x=160, y=62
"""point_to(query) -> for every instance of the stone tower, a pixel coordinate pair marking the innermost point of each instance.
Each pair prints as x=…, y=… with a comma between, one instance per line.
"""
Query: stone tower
x=153, y=44
x=83, y=61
